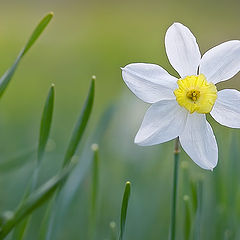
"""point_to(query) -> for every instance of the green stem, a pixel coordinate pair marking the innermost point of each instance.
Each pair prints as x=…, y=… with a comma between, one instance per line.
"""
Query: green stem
x=174, y=191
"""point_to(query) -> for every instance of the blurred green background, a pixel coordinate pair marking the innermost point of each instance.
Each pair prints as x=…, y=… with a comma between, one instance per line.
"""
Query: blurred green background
x=89, y=38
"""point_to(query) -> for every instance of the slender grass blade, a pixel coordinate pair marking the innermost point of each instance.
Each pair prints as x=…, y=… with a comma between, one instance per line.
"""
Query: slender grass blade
x=94, y=193
x=5, y=79
x=72, y=147
x=125, y=200
x=46, y=121
x=187, y=217
x=81, y=124
x=45, y=126
x=197, y=230
x=35, y=200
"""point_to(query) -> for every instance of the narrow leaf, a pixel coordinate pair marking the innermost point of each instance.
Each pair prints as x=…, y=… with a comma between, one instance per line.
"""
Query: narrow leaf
x=74, y=182
x=194, y=196
x=187, y=218
x=5, y=79
x=197, y=230
x=46, y=123
x=45, y=220
x=94, y=193
x=37, y=32
x=35, y=200
x=72, y=147
x=20, y=229
x=45, y=126
x=81, y=124
x=124, y=208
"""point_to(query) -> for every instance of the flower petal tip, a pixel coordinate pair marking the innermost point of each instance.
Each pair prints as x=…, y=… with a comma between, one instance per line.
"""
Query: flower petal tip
x=177, y=23
x=211, y=168
x=138, y=141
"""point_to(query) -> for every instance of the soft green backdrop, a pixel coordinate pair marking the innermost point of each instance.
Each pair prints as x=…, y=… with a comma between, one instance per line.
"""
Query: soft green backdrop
x=99, y=37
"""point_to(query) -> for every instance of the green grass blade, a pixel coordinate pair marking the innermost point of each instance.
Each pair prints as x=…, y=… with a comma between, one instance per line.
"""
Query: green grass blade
x=194, y=196
x=81, y=124
x=187, y=217
x=74, y=182
x=82, y=169
x=45, y=220
x=35, y=200
x=126, y=196
x=5, y=79
x=94, y=194
x=37, y=32
x=46, y=123
x=72, y=147
x=197, y=230
x=20, y=229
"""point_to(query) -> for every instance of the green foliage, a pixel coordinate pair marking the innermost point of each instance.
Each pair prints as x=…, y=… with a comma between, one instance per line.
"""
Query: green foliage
x=83, y=40
x=6, y=78
x=124, y=208
x=72, y=147
x=80, y=125
x=46, y=122
x=35, y=200
x=45, y=125
x=187, y=218
x=94, y=192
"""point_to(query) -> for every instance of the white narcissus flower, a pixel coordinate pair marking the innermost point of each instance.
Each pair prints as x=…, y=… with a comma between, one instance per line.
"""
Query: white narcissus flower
x=179, y=106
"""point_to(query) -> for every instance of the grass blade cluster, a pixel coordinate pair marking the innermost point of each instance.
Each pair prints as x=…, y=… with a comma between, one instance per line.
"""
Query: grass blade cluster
x=36, y=199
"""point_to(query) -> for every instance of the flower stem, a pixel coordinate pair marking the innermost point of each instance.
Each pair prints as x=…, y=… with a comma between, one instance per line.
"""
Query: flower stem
x=174, y=191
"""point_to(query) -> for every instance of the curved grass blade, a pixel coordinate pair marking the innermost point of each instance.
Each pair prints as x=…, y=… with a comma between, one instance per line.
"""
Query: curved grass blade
x=126, y=196
x=72, y=147
x=45, y=126
x=46, y=123
x=20, y=229
x=81, y=124
x=82, y=169
x=35, y=200
x=5, y=79
x=75, y=180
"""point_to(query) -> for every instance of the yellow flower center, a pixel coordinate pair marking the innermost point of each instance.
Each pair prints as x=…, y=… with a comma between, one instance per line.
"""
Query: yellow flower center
x=196, y=94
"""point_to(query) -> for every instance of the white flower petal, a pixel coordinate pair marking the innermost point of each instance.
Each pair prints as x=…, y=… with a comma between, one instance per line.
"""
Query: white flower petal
x=199, y=142
x=221, y=62
x=182, y=50
x=226, y=109
x=149, y=82
x=163, y=121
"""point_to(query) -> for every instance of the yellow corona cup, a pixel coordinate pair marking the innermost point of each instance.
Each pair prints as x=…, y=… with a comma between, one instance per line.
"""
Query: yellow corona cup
x=196, y=94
